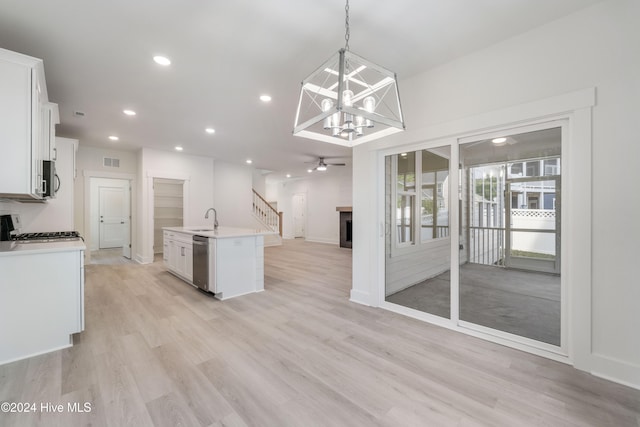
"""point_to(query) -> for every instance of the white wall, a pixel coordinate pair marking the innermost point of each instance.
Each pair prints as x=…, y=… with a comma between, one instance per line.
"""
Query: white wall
x=233, y=197
x=90, y=160
x=597, y=47
x=259, y=181
x=324, y=192
x=196, y=171
x=55, y=214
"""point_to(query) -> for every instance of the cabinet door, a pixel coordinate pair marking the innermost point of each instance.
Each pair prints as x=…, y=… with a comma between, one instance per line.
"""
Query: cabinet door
x=179, y=258
x=188, y=268
x=15, y=127
x=48, y=130
x=174, y=259
x=165, y=251
x=37, y=140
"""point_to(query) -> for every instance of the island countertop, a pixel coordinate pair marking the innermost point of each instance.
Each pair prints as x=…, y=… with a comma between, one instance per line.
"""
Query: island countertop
x=221, y=232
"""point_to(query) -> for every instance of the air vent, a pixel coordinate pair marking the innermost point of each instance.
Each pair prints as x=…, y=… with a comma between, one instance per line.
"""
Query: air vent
x=78, y=114
x=109, y=162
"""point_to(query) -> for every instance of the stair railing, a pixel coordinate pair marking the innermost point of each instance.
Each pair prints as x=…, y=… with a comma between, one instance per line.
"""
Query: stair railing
x=266, y=213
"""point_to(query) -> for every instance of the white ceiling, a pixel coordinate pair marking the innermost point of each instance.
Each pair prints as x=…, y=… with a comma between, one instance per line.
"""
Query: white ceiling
x=98, y=59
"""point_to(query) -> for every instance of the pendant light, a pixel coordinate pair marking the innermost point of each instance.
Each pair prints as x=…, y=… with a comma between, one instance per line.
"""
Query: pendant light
x=348, y=100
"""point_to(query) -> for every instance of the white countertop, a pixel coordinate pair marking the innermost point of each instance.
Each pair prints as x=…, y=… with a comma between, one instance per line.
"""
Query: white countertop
x=13, y=248
x=221, y=232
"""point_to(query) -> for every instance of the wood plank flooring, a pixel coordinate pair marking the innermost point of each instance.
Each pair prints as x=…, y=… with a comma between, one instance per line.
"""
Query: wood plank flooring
x=157, y=352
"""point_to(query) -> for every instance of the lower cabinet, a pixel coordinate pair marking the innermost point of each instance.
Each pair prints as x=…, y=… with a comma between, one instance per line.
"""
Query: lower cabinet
x=41, y=301
x=178, y=254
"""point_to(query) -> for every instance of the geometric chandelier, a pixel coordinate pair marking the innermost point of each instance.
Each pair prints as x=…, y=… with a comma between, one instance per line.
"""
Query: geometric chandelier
x=349, y=100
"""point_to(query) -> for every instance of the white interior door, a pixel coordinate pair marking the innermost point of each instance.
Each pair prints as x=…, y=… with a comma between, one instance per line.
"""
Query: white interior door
x=299, y=214
x=114, y=218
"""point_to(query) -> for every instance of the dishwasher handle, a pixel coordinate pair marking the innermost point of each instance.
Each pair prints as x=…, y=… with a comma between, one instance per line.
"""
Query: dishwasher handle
x=200, y=240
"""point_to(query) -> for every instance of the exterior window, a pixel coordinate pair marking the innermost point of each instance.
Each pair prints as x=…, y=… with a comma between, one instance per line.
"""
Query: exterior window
x=533, y=168
x=434, y=211
x=405, y=197
x=551, y=167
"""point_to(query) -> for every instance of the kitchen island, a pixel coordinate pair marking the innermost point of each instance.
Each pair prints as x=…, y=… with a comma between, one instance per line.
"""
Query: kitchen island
x=41, y=297
x=227, y=262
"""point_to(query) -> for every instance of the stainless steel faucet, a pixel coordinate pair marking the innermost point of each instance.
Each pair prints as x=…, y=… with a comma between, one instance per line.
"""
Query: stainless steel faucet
x=215, y=218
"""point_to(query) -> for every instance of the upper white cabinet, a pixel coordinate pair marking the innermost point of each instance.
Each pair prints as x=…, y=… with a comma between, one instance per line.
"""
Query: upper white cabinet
x=50, y=118
x=27, y=125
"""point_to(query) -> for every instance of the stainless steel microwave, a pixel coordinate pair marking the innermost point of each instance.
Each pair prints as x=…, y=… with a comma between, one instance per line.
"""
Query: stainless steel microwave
x=51, y=180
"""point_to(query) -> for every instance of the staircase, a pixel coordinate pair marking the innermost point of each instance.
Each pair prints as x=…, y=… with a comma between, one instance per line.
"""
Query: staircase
x=269, y=218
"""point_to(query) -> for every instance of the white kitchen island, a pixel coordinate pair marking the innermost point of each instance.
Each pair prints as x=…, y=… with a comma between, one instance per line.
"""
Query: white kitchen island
x=41, y=297
x=235, y=258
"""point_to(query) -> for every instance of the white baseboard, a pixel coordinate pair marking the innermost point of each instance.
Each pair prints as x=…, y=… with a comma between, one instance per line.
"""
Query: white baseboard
x=143, y=260
x=359, y=297
x=616, y=370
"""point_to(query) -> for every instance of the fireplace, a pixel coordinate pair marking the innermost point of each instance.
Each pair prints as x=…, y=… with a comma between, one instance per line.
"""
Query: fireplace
x=346, y=227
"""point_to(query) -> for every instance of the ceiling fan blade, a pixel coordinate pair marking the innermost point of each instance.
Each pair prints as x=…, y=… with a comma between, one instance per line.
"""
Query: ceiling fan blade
x=336, y=164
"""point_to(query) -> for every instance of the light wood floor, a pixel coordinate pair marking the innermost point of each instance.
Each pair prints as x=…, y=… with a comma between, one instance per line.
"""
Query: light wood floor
x=158, y=352
x=109, y=256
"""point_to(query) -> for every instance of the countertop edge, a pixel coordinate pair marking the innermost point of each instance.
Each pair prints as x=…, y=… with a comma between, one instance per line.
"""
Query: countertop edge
x=222, y=233
x=13, y=248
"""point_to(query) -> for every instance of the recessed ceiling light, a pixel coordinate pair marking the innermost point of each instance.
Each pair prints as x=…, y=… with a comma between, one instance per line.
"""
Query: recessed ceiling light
x=249, y=161
x=499, y=140
x=265, y=98
x=114, y=138
x=129, y=112
x=288, y=175
x=162, y=60
x=178, y=148
x=309, y=170
x=210, y=130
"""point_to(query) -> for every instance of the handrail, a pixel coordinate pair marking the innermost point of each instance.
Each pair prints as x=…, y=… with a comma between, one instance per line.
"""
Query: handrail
x=262, y=198
x=266, y=213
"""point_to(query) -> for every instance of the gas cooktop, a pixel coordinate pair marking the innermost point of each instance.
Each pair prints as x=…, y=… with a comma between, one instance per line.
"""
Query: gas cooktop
x=47, y=236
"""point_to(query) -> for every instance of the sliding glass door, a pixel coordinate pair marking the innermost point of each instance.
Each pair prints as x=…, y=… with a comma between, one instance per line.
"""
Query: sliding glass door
x=507, y=204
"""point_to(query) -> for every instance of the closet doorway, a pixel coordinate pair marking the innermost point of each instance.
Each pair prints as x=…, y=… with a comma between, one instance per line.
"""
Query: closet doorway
x=168, y=211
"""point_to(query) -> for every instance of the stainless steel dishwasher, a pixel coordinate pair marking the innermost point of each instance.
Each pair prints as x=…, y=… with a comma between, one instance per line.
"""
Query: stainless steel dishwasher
x=201, y=262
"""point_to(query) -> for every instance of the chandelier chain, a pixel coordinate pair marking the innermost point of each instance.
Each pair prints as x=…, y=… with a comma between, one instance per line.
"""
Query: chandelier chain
x=347, y=33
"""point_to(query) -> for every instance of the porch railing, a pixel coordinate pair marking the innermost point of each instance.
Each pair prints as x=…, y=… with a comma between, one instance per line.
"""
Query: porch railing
x=486, y=245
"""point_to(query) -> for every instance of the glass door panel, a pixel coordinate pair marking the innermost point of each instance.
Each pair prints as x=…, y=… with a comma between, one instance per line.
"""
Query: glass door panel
x=510, y=235
x=417, y=244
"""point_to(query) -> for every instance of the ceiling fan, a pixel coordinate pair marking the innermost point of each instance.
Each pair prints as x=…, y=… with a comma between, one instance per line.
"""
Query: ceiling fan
x=322, y=165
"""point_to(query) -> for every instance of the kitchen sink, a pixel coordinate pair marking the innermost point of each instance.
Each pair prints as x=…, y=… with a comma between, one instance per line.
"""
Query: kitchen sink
x=203, y=229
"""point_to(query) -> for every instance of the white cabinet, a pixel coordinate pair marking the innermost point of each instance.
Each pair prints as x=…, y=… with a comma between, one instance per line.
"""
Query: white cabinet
x=42, y=301
x=235, y=258
x=236, y=265
x=178, y=254
x=27, y=125
x=50, y=118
